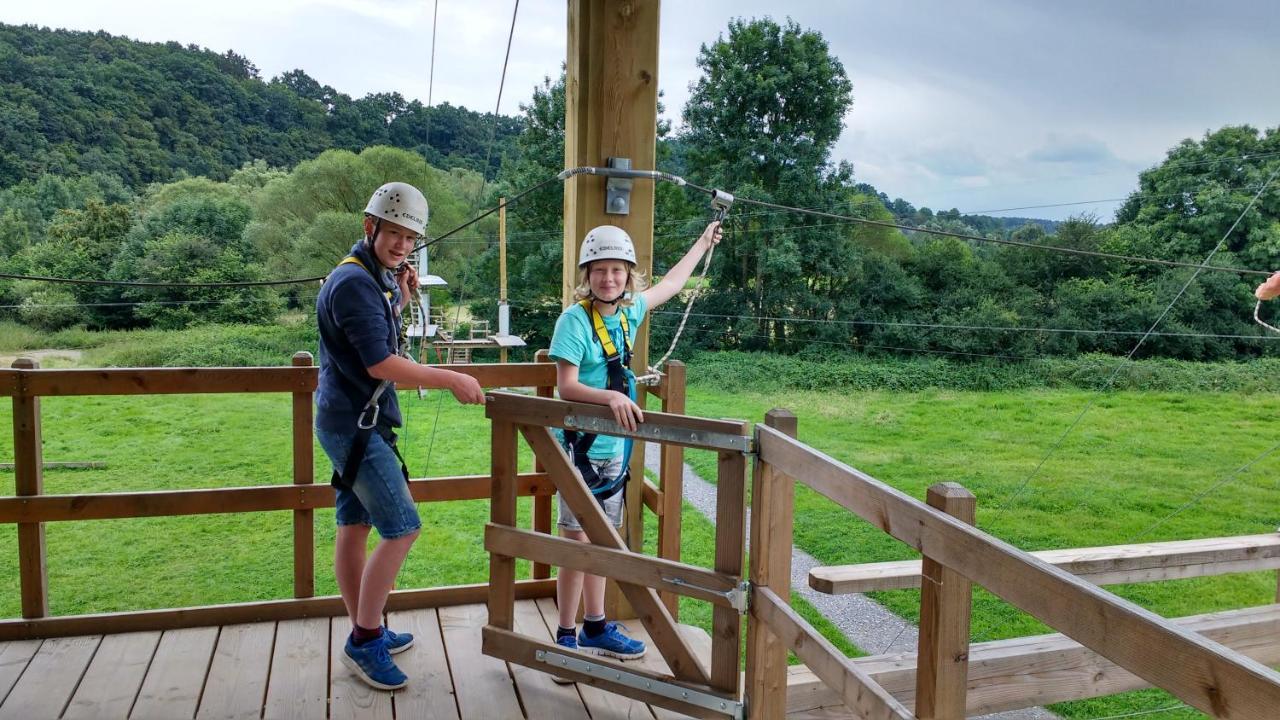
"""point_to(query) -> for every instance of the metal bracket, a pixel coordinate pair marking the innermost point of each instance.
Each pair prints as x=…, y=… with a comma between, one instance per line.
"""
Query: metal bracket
x=617, y=190
x=715, y=703
x=739, y=598
x=604, y=426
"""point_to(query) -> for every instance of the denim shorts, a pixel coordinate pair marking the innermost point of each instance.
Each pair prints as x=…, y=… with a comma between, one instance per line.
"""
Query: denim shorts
x=379, y=496
x=608, y=468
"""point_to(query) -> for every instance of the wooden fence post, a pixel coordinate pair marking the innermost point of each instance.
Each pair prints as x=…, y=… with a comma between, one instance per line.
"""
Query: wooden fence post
x=542, y=503
x=502, y=511
x=304, y=530
x=946, y=601
x=731, y=515
x=28, y=459
x=671, y=480
x=772, y=507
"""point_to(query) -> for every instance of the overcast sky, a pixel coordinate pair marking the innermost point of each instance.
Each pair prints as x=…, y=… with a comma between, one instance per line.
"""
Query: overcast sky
x=977, y=105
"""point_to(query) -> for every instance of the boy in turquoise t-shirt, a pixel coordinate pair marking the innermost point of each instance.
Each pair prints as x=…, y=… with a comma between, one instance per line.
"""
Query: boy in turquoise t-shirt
x=592, y=349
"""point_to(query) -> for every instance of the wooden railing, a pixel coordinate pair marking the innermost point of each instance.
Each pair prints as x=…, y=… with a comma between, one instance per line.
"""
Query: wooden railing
x=1201, y=672
x=691, y=688
x=31, y=508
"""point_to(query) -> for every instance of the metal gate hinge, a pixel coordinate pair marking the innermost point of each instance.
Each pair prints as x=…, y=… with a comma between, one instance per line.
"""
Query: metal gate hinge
x=739, y=598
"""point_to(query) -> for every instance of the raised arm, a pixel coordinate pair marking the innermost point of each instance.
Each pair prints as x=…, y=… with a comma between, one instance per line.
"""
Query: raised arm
x=673, y=282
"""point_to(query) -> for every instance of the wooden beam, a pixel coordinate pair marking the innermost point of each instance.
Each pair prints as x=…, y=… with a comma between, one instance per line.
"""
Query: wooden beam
x=772, y=536
x=1202, y=673
x=523, y=650
x=689, y=580
x=542, y=503
x=1109, y=565
x=730, y=521
x=28, y=456
x=492, y=375
x=946, y=602
x=167, y=381
x=652, y=497
x=671, y=477
x=162, y=503
x=652, y=613
x=690, y=431
x=269, y=610
x=1044, y=669
x=502, y=511
x=859, y=692
x=304, y=533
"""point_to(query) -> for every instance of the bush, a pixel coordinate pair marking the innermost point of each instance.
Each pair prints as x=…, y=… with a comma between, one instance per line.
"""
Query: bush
x=766, y=372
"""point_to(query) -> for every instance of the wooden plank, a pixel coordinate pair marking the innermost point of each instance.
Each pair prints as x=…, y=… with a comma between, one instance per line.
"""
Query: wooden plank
x=107, y=506
x=168, y=381
x=1044, y=669
x=304, y=533
x=542, y=503
x=176, y=676
x=28, y=456
x=671, y=478
x=14, y=657
x=543, y=697
x=858, y=690
x=521, y=650
x=299, y=683
x=704, y=433
x=772, y=534
x=502, y=511
x=349, y=697
x=111, y=684
x=488, y=691
x=51, y=677
x=652, y=613
x=615, y=564
x=946, y=602
x=494, y=375
x=236, y=686
x=263, y=611
x=652, y=497
x=731, y=511
x=1107, y=565
x=1202, y=673
x=429, y=695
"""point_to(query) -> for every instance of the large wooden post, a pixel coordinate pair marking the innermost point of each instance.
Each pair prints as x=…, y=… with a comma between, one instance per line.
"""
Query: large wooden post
x=611, y=110
x=671, y=480
x=28, y=463
x=772, y=523
x=946, y=600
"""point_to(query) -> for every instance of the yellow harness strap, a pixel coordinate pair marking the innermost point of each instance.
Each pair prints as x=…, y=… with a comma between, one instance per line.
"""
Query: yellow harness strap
x=597, y=322
x=352, y=260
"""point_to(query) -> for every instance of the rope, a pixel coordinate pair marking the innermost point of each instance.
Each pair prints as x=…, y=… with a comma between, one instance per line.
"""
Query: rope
x=1258, y=320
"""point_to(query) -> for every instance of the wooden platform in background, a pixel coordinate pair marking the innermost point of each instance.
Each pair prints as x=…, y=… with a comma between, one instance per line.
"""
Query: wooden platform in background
x=291, y=669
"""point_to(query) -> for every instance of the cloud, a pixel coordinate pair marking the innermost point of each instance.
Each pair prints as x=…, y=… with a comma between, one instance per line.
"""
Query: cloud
x=957, y=161
x=1073, y=149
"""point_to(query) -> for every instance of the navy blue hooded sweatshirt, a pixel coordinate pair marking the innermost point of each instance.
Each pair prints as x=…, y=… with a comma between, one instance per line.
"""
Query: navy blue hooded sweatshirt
x=358, y=329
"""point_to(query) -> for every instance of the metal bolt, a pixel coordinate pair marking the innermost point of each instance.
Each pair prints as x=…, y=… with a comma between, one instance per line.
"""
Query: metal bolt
x=685, y=695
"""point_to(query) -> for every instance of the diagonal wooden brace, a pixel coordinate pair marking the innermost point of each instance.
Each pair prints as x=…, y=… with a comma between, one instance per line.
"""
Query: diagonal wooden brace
x=644, y=600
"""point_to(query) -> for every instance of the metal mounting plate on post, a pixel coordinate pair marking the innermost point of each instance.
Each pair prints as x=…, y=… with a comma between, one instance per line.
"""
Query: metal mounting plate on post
x=731, y=708
x=617, y=191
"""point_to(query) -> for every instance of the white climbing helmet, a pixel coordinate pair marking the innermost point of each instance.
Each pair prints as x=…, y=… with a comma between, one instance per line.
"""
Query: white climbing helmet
x=400, y=203
x=607, y=242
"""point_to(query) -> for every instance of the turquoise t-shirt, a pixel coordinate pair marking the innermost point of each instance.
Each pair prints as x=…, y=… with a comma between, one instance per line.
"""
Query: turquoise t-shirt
x=575, y=342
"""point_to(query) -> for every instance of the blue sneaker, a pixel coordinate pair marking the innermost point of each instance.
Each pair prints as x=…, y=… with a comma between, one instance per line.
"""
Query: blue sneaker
x=611, y=642
x=568, y=642
x=397, y=642
x=372, y=663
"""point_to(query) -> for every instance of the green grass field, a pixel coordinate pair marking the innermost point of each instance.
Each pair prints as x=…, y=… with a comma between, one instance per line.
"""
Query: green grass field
x=1134, y=460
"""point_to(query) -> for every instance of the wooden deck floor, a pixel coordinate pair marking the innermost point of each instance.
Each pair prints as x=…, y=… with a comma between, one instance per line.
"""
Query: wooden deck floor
x=290, y=670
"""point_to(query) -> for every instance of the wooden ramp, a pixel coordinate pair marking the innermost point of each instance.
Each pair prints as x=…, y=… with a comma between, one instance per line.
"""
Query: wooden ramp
x=290, y=670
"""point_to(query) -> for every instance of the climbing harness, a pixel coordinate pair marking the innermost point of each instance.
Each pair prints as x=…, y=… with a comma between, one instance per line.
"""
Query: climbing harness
x=367, y=421
x=620, y=379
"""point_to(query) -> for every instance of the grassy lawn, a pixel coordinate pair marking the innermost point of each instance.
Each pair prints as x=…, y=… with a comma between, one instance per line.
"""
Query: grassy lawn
x=1134, y=459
